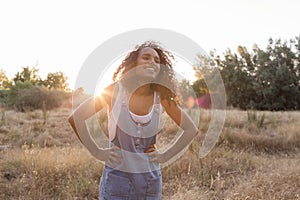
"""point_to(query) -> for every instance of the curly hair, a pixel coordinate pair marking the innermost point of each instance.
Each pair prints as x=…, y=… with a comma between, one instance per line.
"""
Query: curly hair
x=169, y=90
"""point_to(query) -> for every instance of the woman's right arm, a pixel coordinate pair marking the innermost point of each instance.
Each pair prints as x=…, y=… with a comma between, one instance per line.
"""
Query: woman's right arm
x=85, y=110
x=78, y=118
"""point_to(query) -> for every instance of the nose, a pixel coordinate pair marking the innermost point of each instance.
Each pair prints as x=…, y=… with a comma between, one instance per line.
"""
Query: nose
x=152, y=61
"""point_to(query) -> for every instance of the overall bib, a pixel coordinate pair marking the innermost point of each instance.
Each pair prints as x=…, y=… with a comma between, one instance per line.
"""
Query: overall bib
x=135, y=177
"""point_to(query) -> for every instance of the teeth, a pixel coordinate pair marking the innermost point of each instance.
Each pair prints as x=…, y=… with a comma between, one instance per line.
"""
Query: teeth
x=150, y=69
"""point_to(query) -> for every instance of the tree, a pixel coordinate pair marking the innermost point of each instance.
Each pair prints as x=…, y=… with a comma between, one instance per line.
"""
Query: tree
x=28, y=74
x=263, y=79
x=202, y=71
x=5, y=83
x=236, y=71
x=278, y=76
x=56, y=80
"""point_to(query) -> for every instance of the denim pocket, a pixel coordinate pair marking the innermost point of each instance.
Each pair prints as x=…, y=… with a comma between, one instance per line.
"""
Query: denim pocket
x=117, y=187
x=154, y=187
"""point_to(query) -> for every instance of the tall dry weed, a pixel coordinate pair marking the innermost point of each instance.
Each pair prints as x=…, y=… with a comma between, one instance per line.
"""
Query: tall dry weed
x=49, y=173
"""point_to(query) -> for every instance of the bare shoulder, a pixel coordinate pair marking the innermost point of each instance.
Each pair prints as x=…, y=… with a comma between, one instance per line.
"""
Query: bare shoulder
x=106, y=96
x=172, y=109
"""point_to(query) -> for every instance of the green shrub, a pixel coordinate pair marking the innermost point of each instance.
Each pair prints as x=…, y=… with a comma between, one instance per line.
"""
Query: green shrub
x=3, y=96
x=256, y=119
x=15, y=90
x=23, y=96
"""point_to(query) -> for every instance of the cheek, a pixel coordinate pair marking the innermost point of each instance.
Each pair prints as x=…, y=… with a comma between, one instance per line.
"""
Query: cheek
x=158, y=72
x=138, y=70
x=140, y=62
x=158, y=69
x=161, y=73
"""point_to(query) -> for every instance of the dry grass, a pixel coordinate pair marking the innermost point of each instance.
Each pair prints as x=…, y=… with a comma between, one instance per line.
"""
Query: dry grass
x=277, y=180
x=278, y=134
x=45, y=160
x=49, y=173
x=29, y=128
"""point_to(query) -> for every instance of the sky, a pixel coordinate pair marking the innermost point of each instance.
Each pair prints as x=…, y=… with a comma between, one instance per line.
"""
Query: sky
x=59, y=35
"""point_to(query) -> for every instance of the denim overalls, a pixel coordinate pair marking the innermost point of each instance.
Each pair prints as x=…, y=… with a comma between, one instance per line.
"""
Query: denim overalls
x=135, y=177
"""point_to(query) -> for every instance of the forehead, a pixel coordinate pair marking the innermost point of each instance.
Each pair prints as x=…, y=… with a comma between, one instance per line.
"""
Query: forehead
x=148, y=50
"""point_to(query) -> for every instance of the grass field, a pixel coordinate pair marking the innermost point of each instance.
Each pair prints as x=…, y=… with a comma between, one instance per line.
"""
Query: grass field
x=257, y=157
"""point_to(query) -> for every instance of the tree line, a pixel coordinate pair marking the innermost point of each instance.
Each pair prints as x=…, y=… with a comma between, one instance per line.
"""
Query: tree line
x=261, y=79
x=54, y=80
x=28, y=91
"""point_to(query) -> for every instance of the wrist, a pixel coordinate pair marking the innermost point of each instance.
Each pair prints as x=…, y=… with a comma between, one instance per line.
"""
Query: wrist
x=98, y=153
x=164, y=157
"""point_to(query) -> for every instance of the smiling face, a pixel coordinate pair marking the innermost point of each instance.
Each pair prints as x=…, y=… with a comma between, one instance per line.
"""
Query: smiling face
x=147, y=64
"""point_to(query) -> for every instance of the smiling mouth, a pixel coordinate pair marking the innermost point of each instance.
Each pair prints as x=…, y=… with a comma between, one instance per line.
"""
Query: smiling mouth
x=150, y=68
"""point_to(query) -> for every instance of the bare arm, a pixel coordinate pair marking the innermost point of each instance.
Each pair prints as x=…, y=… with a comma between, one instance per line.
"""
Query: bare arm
x=78, y=118
x=190, y=130
x=85, y=110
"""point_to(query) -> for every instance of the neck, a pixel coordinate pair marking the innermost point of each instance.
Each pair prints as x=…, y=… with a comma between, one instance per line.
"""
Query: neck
x=144, y=90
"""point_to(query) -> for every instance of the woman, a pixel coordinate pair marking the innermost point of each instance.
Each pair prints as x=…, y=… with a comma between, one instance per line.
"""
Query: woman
x=144, y=85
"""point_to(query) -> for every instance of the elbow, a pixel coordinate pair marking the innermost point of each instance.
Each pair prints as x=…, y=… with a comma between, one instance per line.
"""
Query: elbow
x=71, y=119
x=195, y=132
x=72, y=122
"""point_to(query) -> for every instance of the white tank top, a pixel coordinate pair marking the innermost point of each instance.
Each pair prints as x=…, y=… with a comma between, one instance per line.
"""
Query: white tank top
x=112, y=124
x=143, y=119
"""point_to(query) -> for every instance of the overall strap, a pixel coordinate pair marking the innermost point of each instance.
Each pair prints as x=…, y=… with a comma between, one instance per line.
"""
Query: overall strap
x=113, y=116
x=156, y=103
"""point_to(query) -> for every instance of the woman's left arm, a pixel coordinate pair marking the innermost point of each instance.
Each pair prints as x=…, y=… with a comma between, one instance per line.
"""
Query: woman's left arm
x=190, y=131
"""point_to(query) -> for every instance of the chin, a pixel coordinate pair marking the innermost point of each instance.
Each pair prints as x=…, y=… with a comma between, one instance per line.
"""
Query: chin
x=148, y=78
x=152, y=76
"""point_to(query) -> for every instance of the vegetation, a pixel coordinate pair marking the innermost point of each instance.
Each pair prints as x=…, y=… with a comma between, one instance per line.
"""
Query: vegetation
x=4, y=81
x=261, y=80
x=46, y=161
x=24, y=96
x=27, y=91
x=56, y=80
x=257, y=155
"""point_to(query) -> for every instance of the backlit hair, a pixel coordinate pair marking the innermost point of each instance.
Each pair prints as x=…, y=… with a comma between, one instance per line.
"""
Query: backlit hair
x=169, y=89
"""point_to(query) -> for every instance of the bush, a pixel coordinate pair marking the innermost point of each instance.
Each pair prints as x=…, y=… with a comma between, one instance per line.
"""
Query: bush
x=3, y=96
x=24, y=96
